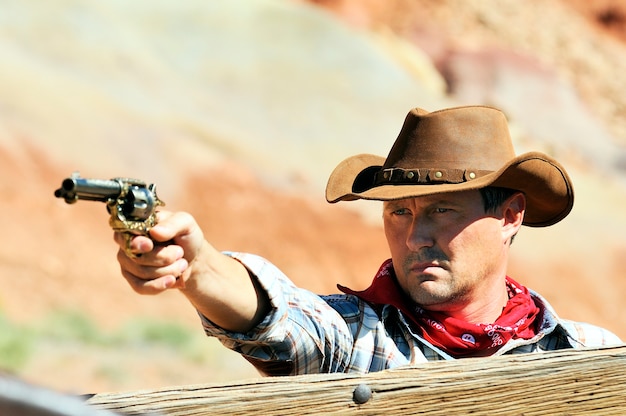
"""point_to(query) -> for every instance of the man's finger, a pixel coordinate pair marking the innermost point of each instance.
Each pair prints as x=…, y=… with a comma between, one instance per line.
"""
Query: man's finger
x=152, y=286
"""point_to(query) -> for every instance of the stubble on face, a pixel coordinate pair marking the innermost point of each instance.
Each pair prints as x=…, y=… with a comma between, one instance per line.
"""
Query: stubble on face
x=429, y=274
x=427, y=277
x=455, y=260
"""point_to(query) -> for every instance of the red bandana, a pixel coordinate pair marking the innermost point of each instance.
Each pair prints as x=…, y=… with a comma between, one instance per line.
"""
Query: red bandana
x=455, y=336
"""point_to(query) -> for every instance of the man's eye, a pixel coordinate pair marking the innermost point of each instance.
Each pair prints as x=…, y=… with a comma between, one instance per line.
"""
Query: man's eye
x=401, y=211
x=440, y=210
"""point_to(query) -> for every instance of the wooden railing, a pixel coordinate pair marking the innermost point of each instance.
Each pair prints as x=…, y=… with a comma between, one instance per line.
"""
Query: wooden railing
x=567, y=382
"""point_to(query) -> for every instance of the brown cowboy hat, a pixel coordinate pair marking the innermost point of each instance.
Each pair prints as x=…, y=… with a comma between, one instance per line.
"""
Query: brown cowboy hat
x=456, y=149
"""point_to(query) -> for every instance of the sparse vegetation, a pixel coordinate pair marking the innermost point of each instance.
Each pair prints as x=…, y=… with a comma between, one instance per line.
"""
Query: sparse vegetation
x=16, y=345
x=20, y=342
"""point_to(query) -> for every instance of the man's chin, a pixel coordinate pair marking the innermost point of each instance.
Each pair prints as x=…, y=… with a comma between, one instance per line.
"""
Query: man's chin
x=431, y=290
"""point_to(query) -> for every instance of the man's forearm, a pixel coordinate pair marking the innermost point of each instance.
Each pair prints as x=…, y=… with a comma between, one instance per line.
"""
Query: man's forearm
x=222, y=290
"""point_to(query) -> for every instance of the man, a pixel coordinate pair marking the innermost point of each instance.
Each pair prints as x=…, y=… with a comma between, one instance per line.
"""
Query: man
x=455, y=195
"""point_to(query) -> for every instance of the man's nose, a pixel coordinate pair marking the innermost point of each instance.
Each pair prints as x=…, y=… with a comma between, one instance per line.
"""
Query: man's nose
x=420, y=234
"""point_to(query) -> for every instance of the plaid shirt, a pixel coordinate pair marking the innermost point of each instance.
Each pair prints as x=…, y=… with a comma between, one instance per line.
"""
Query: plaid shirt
x=305, y=333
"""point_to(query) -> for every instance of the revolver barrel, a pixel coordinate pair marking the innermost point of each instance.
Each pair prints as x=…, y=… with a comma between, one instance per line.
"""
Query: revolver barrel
x=74, y=188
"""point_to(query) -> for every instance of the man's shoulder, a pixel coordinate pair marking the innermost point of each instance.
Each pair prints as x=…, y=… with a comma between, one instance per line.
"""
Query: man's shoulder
x=589, y=335
x=578, y=334
x=344, y=304
x=353, y=309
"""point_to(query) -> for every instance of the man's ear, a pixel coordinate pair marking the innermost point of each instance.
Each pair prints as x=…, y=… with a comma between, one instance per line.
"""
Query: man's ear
x=513, y=210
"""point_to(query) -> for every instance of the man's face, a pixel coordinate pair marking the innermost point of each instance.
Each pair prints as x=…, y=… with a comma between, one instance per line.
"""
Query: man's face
x=446, y=249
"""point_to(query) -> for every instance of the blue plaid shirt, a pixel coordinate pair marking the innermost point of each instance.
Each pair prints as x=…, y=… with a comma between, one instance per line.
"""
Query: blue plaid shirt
x=305, y=333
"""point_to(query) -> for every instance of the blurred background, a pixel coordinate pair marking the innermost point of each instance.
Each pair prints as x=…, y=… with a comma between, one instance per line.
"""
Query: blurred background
x=239, y=111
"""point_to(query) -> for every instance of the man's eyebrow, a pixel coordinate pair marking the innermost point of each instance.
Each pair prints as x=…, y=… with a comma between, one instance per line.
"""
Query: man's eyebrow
x=393, y=204
x=448, y=201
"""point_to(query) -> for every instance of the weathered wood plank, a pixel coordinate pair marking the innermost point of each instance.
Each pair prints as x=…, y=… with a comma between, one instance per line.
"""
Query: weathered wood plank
x=585, y=382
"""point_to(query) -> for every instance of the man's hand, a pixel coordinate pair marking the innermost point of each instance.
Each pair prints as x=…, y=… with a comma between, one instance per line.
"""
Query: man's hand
x=162, y=259
x=176, y=255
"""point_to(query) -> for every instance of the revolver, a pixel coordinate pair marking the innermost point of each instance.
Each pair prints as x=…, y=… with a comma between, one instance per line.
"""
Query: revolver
x=131, y=203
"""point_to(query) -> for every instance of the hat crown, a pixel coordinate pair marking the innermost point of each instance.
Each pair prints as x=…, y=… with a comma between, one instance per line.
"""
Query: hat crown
x=474, y=137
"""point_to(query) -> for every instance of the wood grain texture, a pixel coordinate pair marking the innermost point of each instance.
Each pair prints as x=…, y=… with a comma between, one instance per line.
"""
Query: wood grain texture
x=582, y=382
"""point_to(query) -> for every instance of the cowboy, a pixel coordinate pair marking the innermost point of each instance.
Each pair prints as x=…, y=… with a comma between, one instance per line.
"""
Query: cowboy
x=454, y=196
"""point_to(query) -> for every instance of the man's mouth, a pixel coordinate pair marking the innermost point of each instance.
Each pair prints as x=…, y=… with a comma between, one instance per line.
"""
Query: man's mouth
x=420, y=268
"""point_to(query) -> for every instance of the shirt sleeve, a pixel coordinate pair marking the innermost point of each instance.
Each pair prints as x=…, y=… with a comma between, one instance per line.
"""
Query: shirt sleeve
x=301, y=334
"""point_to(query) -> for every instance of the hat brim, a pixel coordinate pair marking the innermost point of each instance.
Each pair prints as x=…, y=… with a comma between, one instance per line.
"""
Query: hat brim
x=545, y=183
